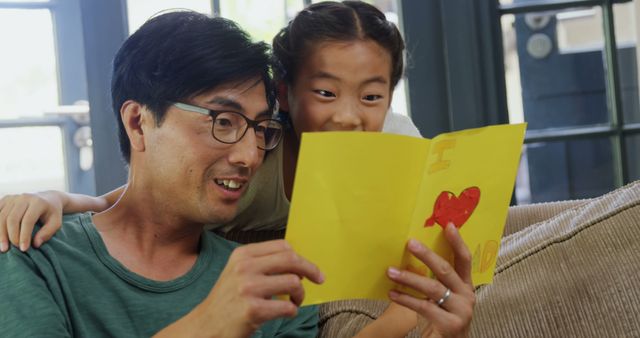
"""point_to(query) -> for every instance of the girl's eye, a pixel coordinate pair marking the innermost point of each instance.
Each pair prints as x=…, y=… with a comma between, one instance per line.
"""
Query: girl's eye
x=372, y=97
x=324, y=93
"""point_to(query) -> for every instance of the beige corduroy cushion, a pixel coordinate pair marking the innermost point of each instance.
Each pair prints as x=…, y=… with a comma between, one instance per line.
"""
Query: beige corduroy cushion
x=573, y=275
x=521, y=216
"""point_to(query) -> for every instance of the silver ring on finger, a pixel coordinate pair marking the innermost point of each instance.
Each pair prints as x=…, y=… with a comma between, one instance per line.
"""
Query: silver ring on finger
x=444, y=298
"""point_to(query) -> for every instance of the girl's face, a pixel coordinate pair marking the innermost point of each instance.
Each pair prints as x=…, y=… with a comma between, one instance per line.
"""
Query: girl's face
x=341, y=86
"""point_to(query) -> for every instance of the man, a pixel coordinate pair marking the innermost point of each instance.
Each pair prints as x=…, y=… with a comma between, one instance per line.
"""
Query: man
x=193, y=99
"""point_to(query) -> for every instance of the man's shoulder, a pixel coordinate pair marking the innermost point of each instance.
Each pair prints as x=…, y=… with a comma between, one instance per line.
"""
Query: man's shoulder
x=71, y=234
x=220, y=243
x=72, y=228
x=45, y=259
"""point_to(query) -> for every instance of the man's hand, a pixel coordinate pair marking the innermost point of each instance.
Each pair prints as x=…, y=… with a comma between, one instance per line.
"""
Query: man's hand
x=243, y=298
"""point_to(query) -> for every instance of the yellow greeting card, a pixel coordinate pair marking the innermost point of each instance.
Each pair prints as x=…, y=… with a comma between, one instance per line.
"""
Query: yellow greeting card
x=358, y=197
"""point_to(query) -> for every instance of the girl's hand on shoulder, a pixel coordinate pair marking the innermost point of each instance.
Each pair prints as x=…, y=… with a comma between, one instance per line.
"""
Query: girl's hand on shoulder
x=20, y=213
x=447, y=306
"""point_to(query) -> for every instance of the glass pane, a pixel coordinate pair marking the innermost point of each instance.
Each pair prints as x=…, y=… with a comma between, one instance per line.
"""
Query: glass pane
x=250, y=14
x=554, y=68
x=140, y=11
x=627, y=23
x=33, y=162
x=390, y=10
x=554, y=171
x=28, y=84
x=292, y=7
x=505, y=2
x=633, y=156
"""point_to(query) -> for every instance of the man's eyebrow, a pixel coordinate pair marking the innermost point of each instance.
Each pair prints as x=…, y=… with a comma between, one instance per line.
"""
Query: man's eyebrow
x=235, y=105
x=226, y=102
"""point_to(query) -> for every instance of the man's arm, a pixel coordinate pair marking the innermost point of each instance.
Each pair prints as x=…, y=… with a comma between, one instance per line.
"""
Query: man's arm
x=27, y=306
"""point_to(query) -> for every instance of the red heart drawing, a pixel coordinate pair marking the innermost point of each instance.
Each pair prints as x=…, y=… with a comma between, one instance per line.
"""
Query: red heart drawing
x=451, y=209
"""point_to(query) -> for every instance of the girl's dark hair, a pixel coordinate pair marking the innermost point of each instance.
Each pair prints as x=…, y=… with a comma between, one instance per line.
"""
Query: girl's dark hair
x=178, y=55
x=336, y=21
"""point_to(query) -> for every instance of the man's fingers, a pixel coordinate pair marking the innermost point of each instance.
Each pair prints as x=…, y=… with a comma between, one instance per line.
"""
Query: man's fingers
x=269, y=286
x=462, y=255
x=443, y=271
x=262, y=310
x=289, y=262
x=262, y=249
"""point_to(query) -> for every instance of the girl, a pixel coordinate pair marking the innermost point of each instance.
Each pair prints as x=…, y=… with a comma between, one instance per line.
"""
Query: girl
x=340, y=62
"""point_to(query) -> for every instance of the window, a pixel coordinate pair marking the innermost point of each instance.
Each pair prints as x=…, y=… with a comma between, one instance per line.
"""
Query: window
x=250, y=15
x=571, y=74
x=36, y=131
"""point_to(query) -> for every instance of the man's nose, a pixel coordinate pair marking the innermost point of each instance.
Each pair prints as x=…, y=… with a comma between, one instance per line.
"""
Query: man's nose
x=245, y=153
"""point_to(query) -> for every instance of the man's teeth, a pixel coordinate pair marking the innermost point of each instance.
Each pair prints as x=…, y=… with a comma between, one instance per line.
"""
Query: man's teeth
x=229, y=183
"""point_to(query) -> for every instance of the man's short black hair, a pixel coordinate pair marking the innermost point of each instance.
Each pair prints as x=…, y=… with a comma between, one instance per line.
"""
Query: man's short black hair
x=178, y=55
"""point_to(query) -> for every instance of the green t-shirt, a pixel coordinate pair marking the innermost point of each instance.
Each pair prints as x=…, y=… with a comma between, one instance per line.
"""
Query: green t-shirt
x=71, y=286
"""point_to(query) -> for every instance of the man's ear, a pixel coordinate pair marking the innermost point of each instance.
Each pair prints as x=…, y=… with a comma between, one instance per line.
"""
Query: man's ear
x=283, y=100
x=133, y=120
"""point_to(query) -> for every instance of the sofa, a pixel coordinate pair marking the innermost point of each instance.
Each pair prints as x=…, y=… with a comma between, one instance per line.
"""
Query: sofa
x=564, y=269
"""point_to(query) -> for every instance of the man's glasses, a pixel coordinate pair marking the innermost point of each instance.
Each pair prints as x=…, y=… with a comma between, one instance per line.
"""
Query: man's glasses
x=229, y=126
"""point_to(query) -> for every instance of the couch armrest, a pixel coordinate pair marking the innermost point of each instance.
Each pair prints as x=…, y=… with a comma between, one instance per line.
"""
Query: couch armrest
x=521, y=216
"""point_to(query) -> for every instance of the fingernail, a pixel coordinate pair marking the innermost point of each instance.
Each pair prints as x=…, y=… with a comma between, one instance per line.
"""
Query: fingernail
x=321, y=280
x=393, y=272
x=414, y=245
x=393, y=294
x=4, y=246
x=37, y=242
x=23, y=246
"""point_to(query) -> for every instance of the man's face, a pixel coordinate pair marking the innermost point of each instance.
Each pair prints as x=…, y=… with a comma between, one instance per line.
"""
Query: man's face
x=199, y=178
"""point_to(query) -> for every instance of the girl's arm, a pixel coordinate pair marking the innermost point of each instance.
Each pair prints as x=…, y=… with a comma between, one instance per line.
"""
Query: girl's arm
x=395, y=321
x=20, y=213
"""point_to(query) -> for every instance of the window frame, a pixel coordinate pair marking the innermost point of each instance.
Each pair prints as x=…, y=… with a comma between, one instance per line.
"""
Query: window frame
x=460, y=83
